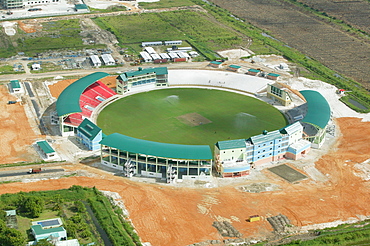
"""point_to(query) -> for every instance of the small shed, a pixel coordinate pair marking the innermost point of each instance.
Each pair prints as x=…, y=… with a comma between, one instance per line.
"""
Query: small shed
x=16, y=87
x=253, y=72
x=215, y=64
x=46, y=149
x=234, y=68
x=272, y=76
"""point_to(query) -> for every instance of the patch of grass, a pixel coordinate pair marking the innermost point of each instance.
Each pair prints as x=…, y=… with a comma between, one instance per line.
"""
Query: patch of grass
x=165, y=4
x=154, y=116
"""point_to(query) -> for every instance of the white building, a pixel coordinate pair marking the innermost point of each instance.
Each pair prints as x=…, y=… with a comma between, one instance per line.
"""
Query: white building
x=146, y=56
x=108, y=60
x=164, y=56
x=95, y=60
x=176, y=42
x=156, y=43
x=173, y=55
x=150, y=50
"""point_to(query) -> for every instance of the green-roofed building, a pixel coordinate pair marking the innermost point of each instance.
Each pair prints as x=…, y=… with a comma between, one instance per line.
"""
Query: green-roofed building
x=215, y=64
x=142, y=79
x=317, y=117
x=56, y=233
x=154, y=159
x=279, y=94
x=15, y=86
x=234, y=68
x=272, y=76
x=89, y=134
x=81, y=7
x=253, y=72
x=46, y=150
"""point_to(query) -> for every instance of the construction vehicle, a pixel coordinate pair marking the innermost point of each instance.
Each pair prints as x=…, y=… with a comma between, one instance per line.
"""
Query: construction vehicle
x=34, y=170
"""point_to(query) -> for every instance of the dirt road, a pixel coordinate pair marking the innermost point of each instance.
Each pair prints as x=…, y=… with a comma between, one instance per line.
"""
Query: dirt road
x=166, y=215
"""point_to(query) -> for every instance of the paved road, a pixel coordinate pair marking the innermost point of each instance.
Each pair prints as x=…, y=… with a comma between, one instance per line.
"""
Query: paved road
x=12, y=174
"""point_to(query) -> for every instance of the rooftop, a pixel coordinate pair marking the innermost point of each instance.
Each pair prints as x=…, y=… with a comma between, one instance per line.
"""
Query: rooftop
x=273, y=74
x=165, y=150
x=45, y=147
x=234, y=66
x=69, y=100
x=254, y=70
x=141, y=71
x=318, y=109
x=39, y=231
x=231, y=144
x=266, y=137
x=15, y=84
x=88, y=129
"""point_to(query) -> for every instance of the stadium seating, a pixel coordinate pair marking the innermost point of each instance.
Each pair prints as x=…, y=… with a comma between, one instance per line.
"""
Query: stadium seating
x=89, y=101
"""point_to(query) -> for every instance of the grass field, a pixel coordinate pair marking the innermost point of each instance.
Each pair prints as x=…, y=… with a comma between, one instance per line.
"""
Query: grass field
x=159, y=116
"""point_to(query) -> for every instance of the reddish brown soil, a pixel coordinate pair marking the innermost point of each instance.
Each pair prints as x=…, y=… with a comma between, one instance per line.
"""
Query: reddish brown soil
x=57, y=88
x=166, y=215
x=30, y=26
x=15, y=130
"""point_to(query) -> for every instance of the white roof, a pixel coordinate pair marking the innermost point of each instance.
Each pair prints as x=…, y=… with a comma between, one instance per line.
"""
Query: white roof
x=164, y=56
x=183, y=55
x=301, y=144
x=173, y=55
x=71, y=242
x=151, y=43
x=155, y=56
x=173, y=42
x=150, y=50
x=295, y=127
x=107, y=58
x=95, y=59
x=145, y=55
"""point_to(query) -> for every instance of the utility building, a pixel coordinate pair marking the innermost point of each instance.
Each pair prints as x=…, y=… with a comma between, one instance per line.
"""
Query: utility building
x=108, y=60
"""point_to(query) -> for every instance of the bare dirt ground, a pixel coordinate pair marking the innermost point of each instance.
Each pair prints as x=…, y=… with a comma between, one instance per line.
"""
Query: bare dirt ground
x=168, y=215
x=16, y=133
x=58, y=86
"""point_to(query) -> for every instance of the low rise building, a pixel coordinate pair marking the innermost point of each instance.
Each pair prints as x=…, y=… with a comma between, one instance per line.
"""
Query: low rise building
x=136, y=80
x=89, y=134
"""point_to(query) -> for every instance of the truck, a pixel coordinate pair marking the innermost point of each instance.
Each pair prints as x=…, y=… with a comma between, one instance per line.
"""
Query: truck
x=34, y=170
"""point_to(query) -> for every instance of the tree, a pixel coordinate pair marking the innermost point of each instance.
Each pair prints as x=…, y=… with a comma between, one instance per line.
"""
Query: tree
x=34, y=206
x=10, y=236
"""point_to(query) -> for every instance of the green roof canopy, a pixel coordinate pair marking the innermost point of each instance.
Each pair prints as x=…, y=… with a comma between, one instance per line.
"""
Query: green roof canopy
x=69, y=100
x=40, y=231
x=318, y=109
x=234, y=66
x=254, y=70
x=15, y=84
x=141, y=71
x=231, y=144
x=81, y=6
x=216, y=62
x=266, y=137
x=45, y=147
x=89, y=129
x=273, y=74
x=165, y=150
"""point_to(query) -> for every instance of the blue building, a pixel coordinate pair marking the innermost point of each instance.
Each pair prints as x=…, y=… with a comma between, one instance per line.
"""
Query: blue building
x=89, y=134
x=235, y=158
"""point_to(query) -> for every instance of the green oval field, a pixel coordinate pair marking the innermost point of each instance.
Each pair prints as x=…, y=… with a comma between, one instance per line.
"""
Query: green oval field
x=189, y=116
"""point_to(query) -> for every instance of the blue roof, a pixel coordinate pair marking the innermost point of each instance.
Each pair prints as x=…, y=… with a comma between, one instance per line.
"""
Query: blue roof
x=165, y=150
x=69, y=100
x=318, y=109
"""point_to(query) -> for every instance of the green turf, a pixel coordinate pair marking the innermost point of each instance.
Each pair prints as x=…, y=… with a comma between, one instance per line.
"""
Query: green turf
x=152, y=116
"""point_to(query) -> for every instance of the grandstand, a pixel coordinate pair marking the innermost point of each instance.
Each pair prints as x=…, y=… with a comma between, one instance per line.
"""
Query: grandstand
x=79, y=100
x=157, y=160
